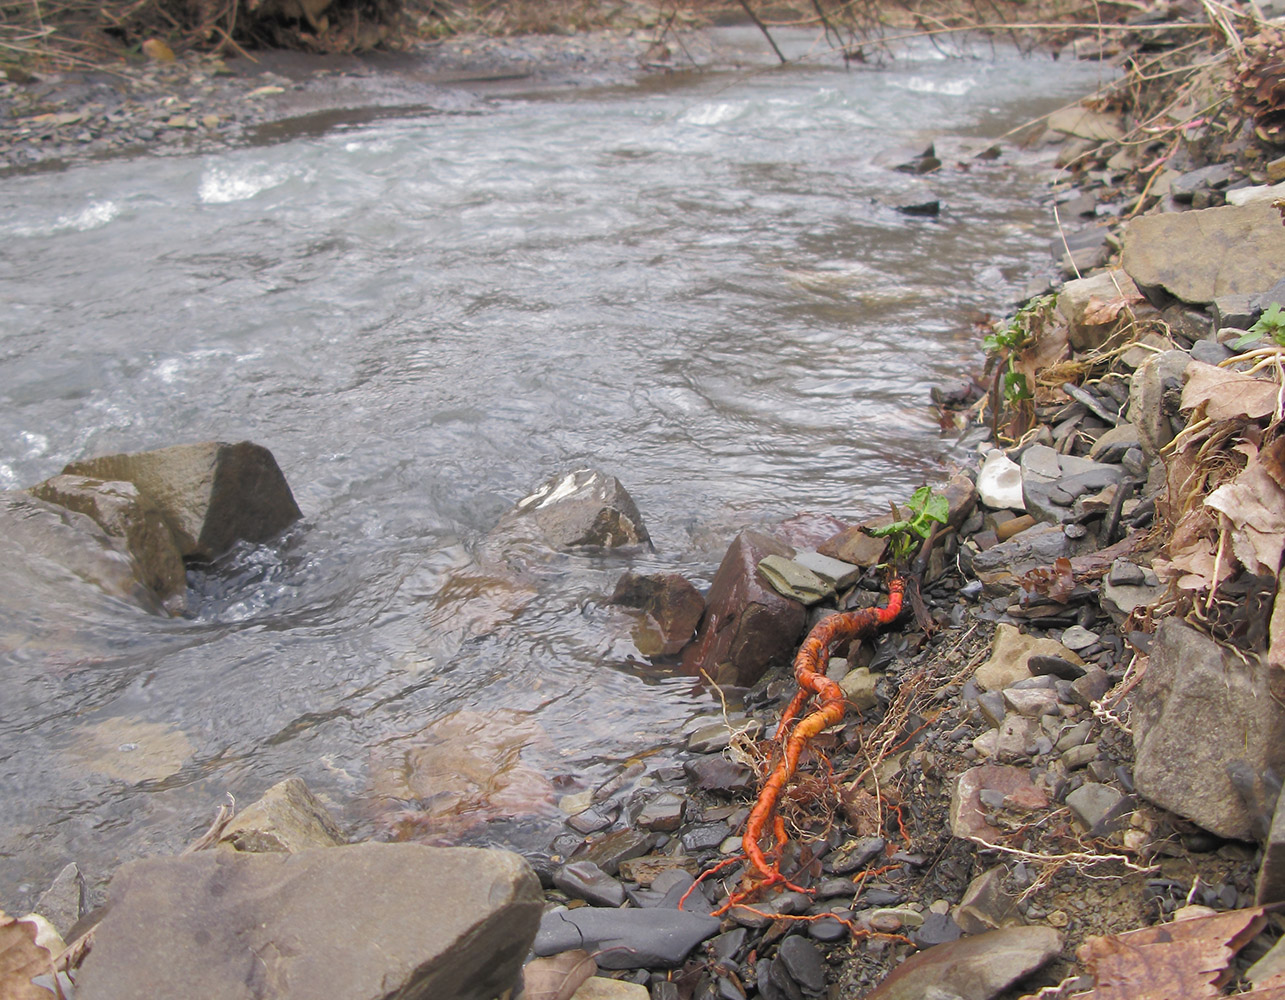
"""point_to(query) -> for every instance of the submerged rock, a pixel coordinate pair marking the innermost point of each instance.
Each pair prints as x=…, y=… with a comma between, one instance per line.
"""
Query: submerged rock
x=42, y=536
x=211, y=495
x=345, y=923
x=124, y=513
x=747, y=625
x=671, y=607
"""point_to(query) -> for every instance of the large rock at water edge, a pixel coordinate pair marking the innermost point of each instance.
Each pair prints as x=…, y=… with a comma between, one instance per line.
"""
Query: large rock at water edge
x=363, y=922
x=585, y=508
x=212, y=494
x=671, y=609
x=123, y=513
x=747, y=625
x=1202, y=255
x=1192, y=686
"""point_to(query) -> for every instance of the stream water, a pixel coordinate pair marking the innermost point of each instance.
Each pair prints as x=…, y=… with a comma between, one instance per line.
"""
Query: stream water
x=698, y=284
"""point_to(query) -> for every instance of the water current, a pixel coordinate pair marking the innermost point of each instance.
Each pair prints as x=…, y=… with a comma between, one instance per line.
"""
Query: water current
x=698, y=284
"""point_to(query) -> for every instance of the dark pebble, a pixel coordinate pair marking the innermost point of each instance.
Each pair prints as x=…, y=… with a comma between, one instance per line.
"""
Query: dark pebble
x=804, y=963
x=1054, y=666
x=830, y=930
x=938, y=928
x=726, y=946
x=705, y=837
x=851, y=859
x=781, y=979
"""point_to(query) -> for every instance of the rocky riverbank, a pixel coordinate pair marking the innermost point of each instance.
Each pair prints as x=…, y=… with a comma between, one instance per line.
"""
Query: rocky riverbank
x=1071, y=734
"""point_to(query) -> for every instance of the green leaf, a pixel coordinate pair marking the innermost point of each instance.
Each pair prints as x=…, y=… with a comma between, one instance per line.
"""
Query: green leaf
x=1243, y=341
x=1015, y=387
x=938, y=509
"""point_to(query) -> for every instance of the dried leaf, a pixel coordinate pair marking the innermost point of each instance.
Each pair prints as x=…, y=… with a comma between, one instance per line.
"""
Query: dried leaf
x=862, y=811
x=1227, y=394
x=1056, y=582
x=557, y=977
x=21, y=959
x=1187, y=959
x=1254, y=506
x=1099, y=312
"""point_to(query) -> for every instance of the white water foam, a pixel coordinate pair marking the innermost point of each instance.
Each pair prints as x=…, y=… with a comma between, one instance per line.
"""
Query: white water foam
x=93, y=216
x=221, y=185
x=952, y=88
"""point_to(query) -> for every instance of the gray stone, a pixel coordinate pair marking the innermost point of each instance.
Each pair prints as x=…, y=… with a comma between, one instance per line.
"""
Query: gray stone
x=1083, y=123
x=993, y=708
x=790, y=579
x=1011, y=653
x=1233, y=310
x=124, y=513
x=1112, y=445
x=1209, y=352
x=747, y=625
x=1017, y=738
x=663, y=813
x=585, y=880
x=938, y=928
x=986, y=904
x=1076, y=757
x=63, y=903
x=858, y=688
x=1119, y=601
x=1184, y=186
x=581, y=509
x=803, y=962
x=1000, y=565
x=1193, y=686
x=1078, y=299
x=1051, y=482
x=837, y=573
x=212, y=495
x=1155, y=394
x=287, y=818
x=1076, y=735
x=855, y=856
x=1092, y=803
x=625, y=939
x=612, y=848
x=972, y=968
x=1203, y=255
x=718, y=774
x=345, y=923
x=1091, y=687
x=717, y=737
x=1031, y=703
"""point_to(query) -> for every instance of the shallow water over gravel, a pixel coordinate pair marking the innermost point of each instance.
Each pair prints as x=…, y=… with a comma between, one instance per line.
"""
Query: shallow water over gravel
x=691, y=284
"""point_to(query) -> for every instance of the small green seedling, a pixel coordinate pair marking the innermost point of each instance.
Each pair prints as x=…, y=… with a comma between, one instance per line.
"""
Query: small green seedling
x=1270, y=324
x=926, y=508
x=1006, y=342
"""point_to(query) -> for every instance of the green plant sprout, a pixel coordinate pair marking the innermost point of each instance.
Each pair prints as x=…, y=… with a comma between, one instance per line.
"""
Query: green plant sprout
x=1007, y=341
x=926, y=508
x=1270, y=324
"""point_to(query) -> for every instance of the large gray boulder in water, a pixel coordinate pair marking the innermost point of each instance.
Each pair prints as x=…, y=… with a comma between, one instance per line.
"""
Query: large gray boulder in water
x=211, y=495
x=362, y=922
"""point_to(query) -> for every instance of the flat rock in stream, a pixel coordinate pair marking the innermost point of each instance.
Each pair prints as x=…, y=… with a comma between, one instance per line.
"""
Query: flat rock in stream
x=361, y=922
x=211, y=495
x=287, y=818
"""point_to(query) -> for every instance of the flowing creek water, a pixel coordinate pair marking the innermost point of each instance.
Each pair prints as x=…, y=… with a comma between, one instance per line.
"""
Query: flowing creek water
x=698, y=284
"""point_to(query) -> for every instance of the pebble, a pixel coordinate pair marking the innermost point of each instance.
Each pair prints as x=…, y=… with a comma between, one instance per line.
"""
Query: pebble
x=585, y=880
x=1077, y=638
x=803, y=962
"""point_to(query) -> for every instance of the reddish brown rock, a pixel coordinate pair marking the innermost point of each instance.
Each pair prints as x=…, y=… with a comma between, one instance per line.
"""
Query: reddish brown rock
x=747, y=625
x=968, y=812
x=974, y=968
x=671, y=609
